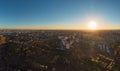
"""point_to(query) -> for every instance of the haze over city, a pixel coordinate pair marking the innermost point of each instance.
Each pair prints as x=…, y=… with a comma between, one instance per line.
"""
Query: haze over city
x=59, y=14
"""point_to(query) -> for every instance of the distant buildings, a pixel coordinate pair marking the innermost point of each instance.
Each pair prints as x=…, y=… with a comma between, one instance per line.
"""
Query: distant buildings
x=66, y=42
x=103, y=41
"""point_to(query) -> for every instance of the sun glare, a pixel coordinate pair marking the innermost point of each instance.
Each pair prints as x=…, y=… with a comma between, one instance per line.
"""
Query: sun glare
x=92, y=25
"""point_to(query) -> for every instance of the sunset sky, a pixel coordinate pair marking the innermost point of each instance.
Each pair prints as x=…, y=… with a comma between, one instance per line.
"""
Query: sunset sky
x=59, y=14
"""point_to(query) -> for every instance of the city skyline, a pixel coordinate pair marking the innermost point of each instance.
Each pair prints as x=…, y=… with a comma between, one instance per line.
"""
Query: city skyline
x=59, y=14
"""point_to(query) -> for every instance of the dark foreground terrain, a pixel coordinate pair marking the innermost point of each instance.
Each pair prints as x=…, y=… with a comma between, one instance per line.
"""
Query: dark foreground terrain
x=28, y=50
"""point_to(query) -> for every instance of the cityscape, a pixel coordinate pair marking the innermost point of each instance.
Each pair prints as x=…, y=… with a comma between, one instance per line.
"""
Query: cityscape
x=59, y=35
x=56, y=50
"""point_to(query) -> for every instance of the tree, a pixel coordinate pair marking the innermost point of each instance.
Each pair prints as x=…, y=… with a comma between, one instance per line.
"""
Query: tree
x=2, y=39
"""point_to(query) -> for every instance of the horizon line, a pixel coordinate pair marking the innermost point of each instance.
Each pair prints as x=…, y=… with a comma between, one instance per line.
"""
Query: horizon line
x=51, y=29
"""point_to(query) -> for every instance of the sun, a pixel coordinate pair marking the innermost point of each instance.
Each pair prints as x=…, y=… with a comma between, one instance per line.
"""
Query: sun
x=92, y=25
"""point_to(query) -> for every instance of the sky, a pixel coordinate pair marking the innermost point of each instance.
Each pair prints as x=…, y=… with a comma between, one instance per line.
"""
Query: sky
x=59, y=14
